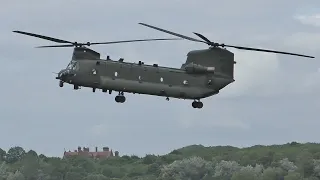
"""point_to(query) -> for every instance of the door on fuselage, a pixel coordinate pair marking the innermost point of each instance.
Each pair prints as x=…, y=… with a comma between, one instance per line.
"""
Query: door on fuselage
x=96, y=72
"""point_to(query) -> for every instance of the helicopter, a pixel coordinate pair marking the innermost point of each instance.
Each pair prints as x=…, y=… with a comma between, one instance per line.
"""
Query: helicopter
x=205, y=72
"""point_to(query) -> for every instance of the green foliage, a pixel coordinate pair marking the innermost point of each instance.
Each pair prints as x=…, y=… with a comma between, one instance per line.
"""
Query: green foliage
x=291, y=161
x=2, y=154
x=15, y=154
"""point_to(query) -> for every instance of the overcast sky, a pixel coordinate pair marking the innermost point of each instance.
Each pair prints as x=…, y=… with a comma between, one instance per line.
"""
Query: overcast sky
x=275, y=98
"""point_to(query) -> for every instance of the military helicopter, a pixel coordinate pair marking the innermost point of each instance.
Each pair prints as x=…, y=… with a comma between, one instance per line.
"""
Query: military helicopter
x=205, y=73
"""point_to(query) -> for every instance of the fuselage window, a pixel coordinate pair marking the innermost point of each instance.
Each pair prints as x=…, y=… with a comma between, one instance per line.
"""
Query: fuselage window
x=139, y=77
x=185, y=82
x=94, y=71
x=116, y=74
x=161, y=79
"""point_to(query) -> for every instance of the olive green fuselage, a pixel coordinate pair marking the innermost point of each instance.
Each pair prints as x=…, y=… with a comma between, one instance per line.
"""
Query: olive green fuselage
x=145, y=79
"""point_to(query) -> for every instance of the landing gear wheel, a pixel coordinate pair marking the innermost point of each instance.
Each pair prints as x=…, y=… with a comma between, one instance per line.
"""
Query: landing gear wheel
x=61, y=83
x=197, y=104
x=93, y=89
x=194, y=104
x=200, y=105
x=120, y=99
x=75, y=87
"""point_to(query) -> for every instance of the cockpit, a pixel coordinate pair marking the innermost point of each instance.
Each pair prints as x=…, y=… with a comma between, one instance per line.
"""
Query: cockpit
x=73, y=65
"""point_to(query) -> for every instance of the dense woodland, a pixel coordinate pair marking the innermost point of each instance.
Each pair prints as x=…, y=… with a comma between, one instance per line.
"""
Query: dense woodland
x=292, y=161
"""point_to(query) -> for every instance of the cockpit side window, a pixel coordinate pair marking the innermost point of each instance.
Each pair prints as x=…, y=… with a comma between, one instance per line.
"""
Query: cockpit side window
x=73, y=65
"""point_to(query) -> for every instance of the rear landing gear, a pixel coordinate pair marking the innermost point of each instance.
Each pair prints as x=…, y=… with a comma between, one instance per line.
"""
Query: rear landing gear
x=197, y=104
x=120, y=98
x=61, y=83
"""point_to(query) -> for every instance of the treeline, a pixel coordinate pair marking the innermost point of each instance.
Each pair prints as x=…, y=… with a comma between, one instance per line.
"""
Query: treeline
x=292, y=161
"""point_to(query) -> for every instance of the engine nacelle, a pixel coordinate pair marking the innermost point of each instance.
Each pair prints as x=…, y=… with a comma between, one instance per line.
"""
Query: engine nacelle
x=198, y=69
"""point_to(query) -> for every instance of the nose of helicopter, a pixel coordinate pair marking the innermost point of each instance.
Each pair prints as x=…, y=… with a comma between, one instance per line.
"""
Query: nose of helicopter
x=66, y=75
x=62, y=74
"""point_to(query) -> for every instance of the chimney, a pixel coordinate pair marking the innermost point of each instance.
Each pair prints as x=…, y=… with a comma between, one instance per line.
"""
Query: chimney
x=96, y=149
x=105, y=149
x=79, y=148
x=116, y=153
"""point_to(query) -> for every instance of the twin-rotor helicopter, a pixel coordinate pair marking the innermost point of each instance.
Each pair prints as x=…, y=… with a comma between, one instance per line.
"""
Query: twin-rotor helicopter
x=205, y=72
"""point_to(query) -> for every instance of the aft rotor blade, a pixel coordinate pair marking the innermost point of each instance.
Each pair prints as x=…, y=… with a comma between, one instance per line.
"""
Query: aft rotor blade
x=265, y=50
x=136, y=40
x=172, y=33
x=43, y=37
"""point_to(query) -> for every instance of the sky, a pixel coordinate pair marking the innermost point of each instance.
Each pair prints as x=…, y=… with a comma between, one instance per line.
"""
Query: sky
x=274, y=99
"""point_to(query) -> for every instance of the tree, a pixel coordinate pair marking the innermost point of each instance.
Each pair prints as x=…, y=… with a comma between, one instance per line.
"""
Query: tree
x=95, y=177
x=287, y=165
x=270, y=173
x=73, y=176
x=3, y=171
x=16, y=176
x=305, y=163
x=2, y=154
x=30, y=166
x=32, y=153
x=149, y=159
x=293, y=176
x=15, y=154
x=194, y=168
x=225, y=169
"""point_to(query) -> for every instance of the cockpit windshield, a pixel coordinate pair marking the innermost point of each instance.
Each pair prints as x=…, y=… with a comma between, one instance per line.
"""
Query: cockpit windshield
x=73, y=65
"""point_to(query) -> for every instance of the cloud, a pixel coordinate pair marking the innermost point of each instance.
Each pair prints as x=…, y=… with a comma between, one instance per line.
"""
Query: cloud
x=305, y=40
x=313, y=20
x=255, y=74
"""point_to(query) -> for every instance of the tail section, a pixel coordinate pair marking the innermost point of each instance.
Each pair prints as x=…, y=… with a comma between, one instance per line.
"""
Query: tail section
x=221, y=60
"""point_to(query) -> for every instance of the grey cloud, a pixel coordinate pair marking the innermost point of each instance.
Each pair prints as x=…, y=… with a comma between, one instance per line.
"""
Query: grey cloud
x=37, y=114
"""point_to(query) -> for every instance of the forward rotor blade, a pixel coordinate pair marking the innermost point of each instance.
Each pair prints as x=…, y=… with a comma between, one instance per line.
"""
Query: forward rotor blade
x=265, y=50
x=172, y=33
x=66, y=45
x=111, y=42
x=43, y=37
x=204, y=38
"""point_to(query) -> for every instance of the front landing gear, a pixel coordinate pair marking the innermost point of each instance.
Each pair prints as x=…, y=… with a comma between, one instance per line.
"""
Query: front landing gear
x=120, y=98
x=197, y=104
x=61, y=83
